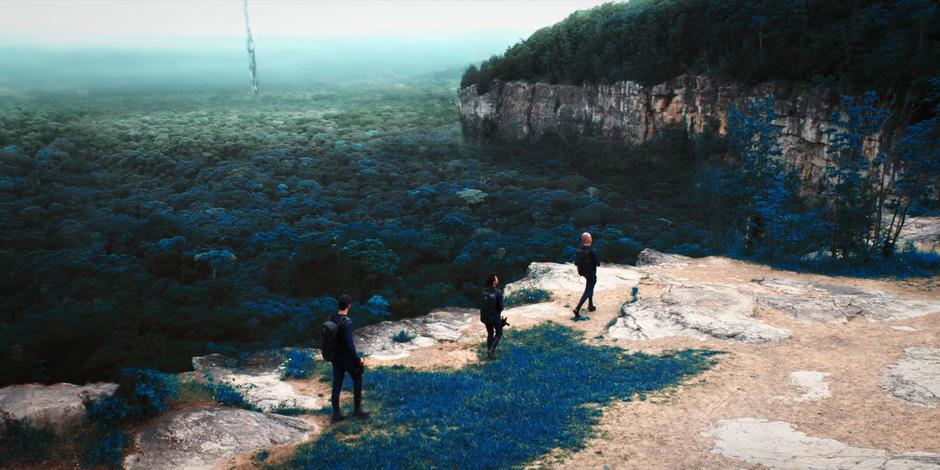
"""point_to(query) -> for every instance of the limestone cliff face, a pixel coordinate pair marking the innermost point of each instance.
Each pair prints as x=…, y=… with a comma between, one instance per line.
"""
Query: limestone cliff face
x=631, y=113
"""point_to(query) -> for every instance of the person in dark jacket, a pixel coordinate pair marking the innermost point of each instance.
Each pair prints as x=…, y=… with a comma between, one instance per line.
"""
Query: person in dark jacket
x=587, y=262
x=346, y=361
x=491, y=309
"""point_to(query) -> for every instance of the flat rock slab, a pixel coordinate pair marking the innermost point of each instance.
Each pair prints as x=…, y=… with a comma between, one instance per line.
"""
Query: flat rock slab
x=436, y=327
x=695, y=310
x=60, y=406
x=198, y=438
x=651, y=257
x=540, y=311
x=776, y=444
x=258, y=378
x=826, y=303
x=916, y=377
x=812, y=385
x=558, y=277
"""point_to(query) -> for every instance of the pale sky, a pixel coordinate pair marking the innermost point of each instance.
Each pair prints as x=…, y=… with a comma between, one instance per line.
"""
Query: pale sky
x=152, y=22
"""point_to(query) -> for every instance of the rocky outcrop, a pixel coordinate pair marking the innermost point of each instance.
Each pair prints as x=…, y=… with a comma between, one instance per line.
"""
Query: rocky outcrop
x=197, y=438
x=695, y=310
x=775, y=444
x=922, y=232
x=258, y=379
x=916, y=377
x=556, y=277
x=630, y=113
x=825, y=302
x=59, y=407
x=381, y=341
x=651, y=257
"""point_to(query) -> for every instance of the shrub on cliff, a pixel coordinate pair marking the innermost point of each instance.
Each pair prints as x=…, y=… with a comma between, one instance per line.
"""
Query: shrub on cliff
x=872, y=44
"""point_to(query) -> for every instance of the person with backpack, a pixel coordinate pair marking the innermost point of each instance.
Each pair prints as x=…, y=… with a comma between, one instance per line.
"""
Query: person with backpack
x=491, y=308
x=337, y=346
x=586, y=260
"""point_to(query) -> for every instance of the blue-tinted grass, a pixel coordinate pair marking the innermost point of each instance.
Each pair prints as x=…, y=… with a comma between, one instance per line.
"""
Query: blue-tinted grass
x=535, y=397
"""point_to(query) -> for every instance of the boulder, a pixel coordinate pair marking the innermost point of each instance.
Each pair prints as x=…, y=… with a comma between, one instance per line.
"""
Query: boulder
x=377, y=340
x=695, y=310
x=824, y=302
x=197, y=438
x=651, y=257
x=557, y=277
x=258, y=378
x=916, y=377
x=60, y=406
x=775, y=444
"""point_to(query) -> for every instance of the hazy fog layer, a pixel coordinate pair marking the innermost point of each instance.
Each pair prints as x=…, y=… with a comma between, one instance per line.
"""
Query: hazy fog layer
x=111, y=44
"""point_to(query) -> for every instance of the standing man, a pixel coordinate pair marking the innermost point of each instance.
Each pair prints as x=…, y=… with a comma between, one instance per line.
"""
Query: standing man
x=491, y=308
x=586, y=260
x=345, y=360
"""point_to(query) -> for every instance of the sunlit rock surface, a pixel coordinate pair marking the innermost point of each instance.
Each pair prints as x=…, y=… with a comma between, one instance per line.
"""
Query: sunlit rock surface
x=651, y=257
x=688, y=309
x=200, y=438
x=556, y=277
x=916, y=377
x=378, y=340
x=825, y=302
x=258, y=379
x=59, y=406
x=812, y=385
x=631, y=113
x=776, y=444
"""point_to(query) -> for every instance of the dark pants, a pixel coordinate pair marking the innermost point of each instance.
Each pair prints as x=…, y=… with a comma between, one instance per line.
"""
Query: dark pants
x=494, y=331
x=341, y=367
x=588, y=295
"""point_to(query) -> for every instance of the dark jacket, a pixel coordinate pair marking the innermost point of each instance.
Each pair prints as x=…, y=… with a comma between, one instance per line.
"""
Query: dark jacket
x=591, y=269
x=494, y=317
x=345, y=347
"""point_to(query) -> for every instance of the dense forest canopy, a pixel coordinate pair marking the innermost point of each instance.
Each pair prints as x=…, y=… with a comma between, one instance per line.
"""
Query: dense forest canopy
x=889, y=46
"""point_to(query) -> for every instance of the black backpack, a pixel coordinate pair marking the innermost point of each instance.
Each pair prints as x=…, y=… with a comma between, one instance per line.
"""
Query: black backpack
x=489, y=304
x=582, y=259
x=329, y=337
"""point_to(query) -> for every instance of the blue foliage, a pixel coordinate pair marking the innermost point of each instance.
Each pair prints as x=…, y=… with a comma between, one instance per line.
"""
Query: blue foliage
x=107, y=449
x=376, y=306
x=526, y=295
x=261, y=455
x=500, y=414
x=372, y=255
x=174, y=243
x=227, y=395
x=299, y=364
x=403, y=336
x=149, y=391
x=106, y=413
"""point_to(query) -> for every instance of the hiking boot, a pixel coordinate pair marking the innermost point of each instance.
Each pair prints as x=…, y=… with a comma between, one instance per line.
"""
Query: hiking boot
x=591, y=308
x=358, y=410
x=337, y=417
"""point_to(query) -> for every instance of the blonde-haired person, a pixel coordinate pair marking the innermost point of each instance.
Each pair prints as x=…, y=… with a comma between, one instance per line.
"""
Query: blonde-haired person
x=587, y=262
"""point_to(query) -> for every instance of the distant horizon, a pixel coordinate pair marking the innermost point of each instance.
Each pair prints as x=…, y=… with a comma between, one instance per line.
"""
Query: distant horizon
x=55, y=24
x=106, y=44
